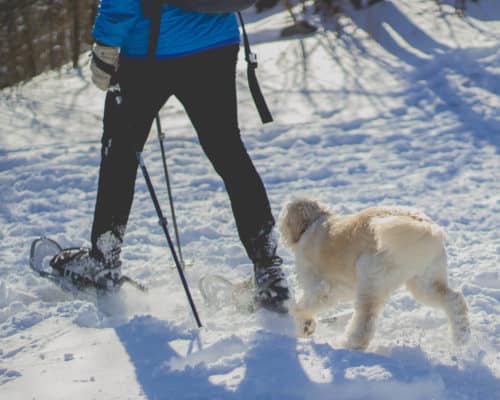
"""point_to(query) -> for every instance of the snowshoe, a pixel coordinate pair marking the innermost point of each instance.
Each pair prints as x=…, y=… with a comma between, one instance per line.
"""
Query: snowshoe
x=218, y=292
x=75, y=266
x=268, y=290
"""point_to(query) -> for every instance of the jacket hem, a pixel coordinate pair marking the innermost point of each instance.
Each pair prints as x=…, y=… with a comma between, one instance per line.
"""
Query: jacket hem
x=227, y=42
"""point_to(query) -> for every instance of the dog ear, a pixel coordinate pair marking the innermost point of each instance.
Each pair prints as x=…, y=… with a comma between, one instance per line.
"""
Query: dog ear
x=296, y=216
x=287, y=225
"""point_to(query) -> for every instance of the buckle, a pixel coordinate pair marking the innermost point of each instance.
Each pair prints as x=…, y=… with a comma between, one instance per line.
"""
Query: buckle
x=252, y=59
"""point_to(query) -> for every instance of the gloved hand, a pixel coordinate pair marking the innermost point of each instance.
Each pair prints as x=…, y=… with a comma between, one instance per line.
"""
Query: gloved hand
x=104, y=64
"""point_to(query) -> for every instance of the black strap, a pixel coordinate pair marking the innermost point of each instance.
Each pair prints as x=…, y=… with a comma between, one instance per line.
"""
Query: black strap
x=103, y=66
x=251, y=59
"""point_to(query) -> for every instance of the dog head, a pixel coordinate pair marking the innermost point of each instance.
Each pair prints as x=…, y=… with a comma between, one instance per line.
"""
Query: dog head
x=296, y=216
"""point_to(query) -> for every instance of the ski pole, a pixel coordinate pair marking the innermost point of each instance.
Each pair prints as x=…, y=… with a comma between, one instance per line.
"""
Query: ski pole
x=163, y=224
x=161, y=137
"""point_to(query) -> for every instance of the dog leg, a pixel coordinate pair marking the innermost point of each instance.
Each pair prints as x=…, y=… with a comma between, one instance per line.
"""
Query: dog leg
x=372, y=293
x=438, y=294
x=361, y=327
x=432, y=289
x=317, y=297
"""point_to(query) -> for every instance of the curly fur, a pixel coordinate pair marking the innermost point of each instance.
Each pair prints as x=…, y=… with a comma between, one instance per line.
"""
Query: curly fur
x=296, y=216
x=365, y=257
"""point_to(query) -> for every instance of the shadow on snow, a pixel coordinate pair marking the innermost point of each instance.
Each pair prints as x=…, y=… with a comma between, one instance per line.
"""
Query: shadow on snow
x=269, y=367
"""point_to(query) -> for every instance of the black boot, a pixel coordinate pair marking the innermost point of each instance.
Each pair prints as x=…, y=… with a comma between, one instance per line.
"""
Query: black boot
x=271, y=285
x=270, y=282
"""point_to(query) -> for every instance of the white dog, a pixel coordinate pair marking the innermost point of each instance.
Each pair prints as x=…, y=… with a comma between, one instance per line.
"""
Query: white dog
x=365, y=257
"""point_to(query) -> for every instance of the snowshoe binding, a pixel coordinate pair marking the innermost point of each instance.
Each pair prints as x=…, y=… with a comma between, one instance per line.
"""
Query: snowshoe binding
x=76, y=266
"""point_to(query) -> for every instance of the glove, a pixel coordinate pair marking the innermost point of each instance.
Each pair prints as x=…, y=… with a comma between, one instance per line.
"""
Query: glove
x=104, y=64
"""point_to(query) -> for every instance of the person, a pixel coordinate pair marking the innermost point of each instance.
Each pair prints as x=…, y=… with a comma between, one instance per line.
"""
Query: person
x=195, y=61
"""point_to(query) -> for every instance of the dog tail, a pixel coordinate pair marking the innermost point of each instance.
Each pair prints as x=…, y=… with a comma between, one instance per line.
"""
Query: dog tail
x=409, y=239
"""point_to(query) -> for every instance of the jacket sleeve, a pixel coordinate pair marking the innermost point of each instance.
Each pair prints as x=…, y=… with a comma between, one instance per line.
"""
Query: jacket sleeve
x=114, y=20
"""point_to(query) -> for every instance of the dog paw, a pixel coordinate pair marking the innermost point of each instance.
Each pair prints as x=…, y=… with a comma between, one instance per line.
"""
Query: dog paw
x=309, y=327
x=304, y=320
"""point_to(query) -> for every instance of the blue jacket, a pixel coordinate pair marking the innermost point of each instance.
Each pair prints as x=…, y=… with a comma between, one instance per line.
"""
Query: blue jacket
x=120, y=23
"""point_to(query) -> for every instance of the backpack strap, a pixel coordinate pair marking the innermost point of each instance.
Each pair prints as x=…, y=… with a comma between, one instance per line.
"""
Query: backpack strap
x=152, y=9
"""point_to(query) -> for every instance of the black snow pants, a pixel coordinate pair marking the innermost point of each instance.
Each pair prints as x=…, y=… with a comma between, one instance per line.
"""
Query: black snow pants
x=205, y=83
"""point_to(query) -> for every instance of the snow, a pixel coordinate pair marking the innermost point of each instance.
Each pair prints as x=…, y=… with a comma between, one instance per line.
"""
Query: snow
x=400, y=109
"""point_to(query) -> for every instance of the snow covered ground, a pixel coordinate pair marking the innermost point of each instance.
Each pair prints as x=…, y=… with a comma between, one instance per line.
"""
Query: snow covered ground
x=401, y=108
